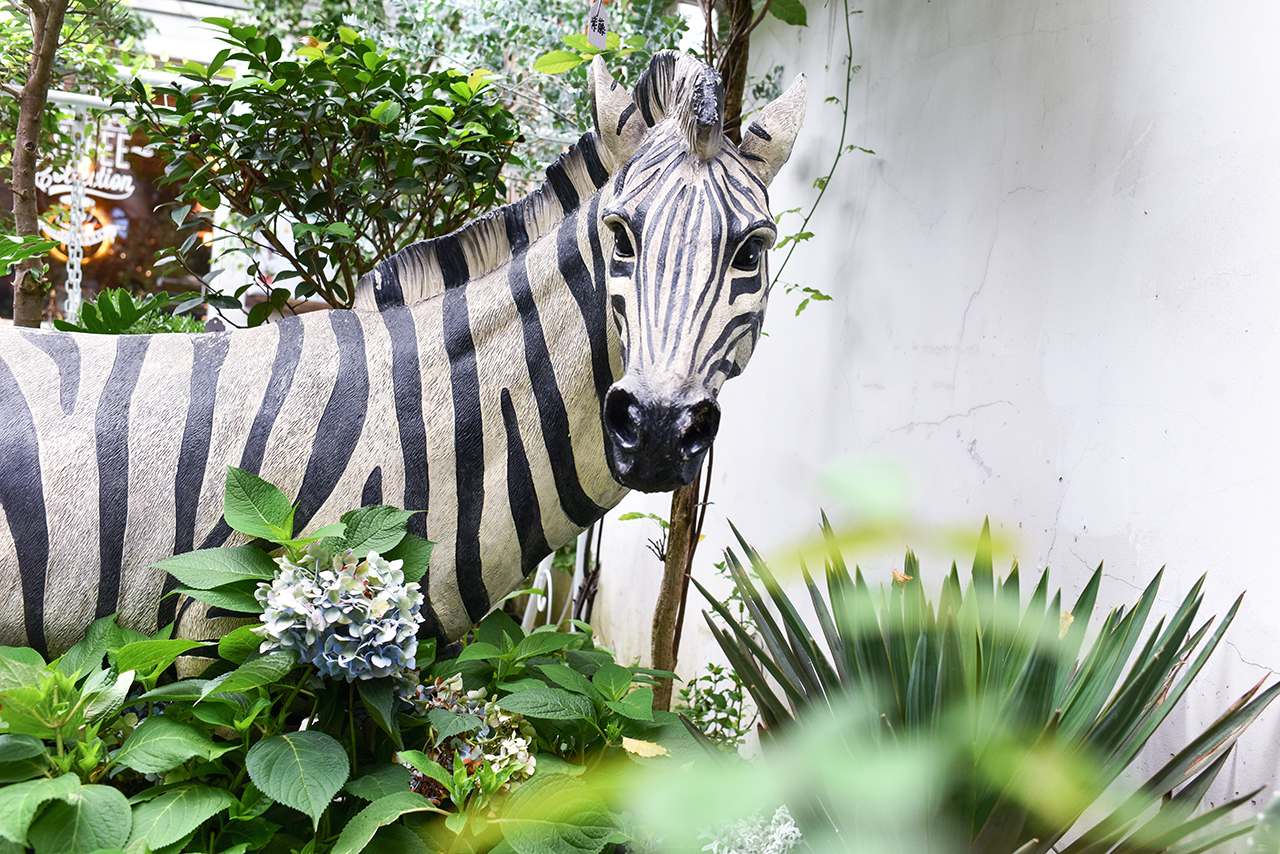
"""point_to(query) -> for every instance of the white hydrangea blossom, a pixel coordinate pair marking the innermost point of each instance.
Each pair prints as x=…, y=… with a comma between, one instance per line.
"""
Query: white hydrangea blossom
x=756, y=836
x=353, y=619
x=503, y=739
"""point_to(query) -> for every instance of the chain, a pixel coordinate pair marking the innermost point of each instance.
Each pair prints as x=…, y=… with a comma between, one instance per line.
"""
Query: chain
x=75, y=231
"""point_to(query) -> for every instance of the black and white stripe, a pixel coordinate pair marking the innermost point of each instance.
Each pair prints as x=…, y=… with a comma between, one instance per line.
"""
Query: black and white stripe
x=469, y=383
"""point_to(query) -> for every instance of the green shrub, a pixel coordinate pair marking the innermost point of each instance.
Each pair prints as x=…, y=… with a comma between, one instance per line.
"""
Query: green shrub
x=505, y=746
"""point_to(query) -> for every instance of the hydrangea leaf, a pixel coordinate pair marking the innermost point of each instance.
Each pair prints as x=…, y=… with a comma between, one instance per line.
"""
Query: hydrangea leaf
x=556, y=814
x=380, y=782
x=415, y=553
x=375, y=529
x=166, y=819
x=255, y=507
x=96, y=817
x=15, y=747
x=260, y=671
x=448, y=724
x=20, y=802
x=161, y=744
x=613, y=680
x=303, y=770
x=149, y=657
x=360, y=829
x=379, y=696
x=207, y=568
x=549, y=703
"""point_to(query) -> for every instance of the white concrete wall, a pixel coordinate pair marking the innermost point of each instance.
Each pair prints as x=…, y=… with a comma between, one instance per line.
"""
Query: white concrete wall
x=1056, y=303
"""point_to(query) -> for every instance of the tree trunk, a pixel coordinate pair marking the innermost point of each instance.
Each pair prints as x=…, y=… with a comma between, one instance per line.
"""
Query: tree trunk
x=681, y=542
x=733, y=64
x=46, y=30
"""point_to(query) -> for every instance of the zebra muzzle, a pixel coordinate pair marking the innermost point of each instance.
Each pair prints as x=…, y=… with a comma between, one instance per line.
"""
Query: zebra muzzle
x=657, y=446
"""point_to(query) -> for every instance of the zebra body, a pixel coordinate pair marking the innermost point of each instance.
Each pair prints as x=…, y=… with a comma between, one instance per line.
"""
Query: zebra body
x=482, y=379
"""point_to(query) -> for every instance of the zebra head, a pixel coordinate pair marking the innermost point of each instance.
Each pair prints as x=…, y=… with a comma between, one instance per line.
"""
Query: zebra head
x=687, y=215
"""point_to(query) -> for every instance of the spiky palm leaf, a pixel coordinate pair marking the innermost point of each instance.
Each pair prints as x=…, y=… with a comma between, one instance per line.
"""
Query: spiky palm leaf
x=1030, y=701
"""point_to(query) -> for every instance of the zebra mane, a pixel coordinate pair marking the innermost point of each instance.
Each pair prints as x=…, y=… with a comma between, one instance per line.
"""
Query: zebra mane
x=674, y=84
x=430, y=267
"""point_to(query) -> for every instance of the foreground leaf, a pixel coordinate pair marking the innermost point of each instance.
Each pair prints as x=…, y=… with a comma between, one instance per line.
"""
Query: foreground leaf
x=303, y=770
x=166, y=819
x=361, y=828
x=161, y=744
x=556, y=814
x=96, y=817
x=549, y=703
x=206, y=568
x=20, y=802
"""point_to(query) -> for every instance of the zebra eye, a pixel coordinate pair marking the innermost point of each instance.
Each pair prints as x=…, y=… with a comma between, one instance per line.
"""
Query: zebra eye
x=622, y=241
x=748, y=257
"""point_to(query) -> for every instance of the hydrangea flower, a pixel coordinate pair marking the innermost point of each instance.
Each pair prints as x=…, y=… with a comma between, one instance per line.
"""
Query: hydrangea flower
x=756, y=835
x=502, y=740
x=353, y=619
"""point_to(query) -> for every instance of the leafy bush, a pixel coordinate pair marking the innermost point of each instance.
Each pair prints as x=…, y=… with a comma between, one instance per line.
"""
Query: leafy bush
x=498, y=747
x=115, y=313
x=332, y=157
x=1026, y=726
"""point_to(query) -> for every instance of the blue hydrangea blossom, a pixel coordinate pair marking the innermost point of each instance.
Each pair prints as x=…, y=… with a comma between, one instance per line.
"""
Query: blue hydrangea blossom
x=353, y=619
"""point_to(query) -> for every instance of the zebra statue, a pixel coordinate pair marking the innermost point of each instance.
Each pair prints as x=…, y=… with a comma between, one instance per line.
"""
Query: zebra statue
x=513, y=380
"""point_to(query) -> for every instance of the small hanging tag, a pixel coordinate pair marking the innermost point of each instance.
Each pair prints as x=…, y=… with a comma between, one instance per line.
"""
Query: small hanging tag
x=598, y=25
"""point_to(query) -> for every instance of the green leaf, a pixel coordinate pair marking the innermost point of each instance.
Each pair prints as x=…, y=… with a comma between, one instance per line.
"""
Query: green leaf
x=789, y=12
x=480, y=651
x=104, y=694
x=15, y=747
x=235, y=597
x=86, y=655
x=541, y=643
x=303, y=770
x=347, y=35
x=448, y=724
x=380, y=701
x=341, y=229
x=166, y=819
x=567, y=677
x=238, y=645
x=96, y=817
x=161, y=744
x=549, y=703
x=361, y=827
x=255, y=507
x=20, y=802
x=556, y=814
x=263, y=670
x=638, y=705
x=557, y=62
x=415, y=552
x=382, y=781
x=149, y=657
x=612, y=680
x=375, y=529
x=208, y=568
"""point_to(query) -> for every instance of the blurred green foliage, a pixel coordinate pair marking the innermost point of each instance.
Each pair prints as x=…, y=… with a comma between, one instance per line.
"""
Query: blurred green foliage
x=985, y=724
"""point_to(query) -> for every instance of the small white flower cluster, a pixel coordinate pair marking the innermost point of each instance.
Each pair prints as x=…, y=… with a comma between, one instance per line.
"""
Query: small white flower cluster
x=353, y=619
x=755, y=836
x=503, y=738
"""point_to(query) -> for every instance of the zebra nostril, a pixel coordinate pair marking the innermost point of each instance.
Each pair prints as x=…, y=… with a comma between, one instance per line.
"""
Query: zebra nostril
x=704, y=421
x=622, y=417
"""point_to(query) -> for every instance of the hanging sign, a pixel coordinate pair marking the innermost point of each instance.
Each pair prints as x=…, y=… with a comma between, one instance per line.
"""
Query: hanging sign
x=598, y=25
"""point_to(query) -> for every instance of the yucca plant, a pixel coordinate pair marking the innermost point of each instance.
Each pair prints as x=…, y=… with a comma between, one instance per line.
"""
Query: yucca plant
x=1041, y=722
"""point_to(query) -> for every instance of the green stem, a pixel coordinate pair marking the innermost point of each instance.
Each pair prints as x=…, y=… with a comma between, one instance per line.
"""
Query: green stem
x=850, y=70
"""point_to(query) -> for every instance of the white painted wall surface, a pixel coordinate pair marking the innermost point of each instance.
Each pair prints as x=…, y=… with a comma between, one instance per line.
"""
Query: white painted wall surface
x=1057, y=288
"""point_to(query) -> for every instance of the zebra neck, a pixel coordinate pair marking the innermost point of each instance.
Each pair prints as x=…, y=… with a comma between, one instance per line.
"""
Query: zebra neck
x=430, y=267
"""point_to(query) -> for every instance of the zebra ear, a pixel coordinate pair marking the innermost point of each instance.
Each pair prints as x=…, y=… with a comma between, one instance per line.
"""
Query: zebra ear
x=619, y=124
x=766, y=143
